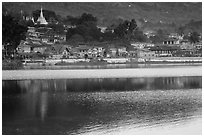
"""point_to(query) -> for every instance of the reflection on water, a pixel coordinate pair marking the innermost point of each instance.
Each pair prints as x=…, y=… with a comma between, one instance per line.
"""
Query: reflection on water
x=98, y=106
x=102, y=85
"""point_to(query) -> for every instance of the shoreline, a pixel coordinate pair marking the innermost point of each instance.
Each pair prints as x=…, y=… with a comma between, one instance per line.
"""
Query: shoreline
x=102, y=73
x=108, y=66
x=128, y=63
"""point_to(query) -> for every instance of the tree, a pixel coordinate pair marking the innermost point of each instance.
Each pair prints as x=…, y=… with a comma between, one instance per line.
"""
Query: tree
x=12, y=32
x=85, y=27
x=160, y=32
x=194, y=37
x=133, y=26
x=87, y=18
x=76, y=38
x=160, y=36
x=83, y=19
x=139, y=36
x=122, y=29
x=70, y=20
x=181, y=30
x=30, y=23
x=58, y=28
x=108, y=36
x=126, y=30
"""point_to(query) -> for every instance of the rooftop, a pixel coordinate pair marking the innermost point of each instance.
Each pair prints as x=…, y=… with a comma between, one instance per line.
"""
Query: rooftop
x=164, y=47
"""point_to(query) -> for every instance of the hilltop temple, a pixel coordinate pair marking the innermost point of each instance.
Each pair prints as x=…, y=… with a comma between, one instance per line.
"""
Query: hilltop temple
x=42, y=19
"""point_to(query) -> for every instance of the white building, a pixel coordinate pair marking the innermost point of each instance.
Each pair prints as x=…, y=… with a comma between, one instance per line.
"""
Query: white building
x=41, y=19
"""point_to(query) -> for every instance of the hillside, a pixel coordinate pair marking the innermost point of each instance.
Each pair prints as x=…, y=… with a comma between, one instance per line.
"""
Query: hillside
x=112, y=12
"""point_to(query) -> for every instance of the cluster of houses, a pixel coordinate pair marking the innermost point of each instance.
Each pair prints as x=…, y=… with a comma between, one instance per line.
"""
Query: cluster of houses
x=144, y=51
x=44, y=35
x=44, y=42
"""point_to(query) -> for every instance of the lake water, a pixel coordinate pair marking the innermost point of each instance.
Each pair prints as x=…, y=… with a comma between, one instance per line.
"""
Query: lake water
x=167, y=105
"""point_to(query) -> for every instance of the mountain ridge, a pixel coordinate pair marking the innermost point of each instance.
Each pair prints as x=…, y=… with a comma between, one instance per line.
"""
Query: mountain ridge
x=109, y=13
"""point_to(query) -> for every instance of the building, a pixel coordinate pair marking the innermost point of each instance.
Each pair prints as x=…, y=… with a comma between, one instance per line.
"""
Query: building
x=175, y=36
x=122, y=52
x=186, y=46
x=132, y=52
x=24, y=47
x=164, y=50
x=41, y=19
x=52, y=20
x=31, y=29
x=103, y=29
x=145, y=54
x=112, y=52
x=44, y=30
x=74, y=53
x=150, y=34
x=58, y=51
x=198, y=49
x=190, y=50
x=184, y=42
x=198, y=46
x=28, y=18
x=59, y=37
x=45, y=39
x=83, y=50
x=141, y=45
x=170, y=41
x=138, y=45
x=39, y=48
x=96, y=52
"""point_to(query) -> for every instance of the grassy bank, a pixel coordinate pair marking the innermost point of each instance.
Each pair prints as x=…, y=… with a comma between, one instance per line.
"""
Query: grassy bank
x=8, y=64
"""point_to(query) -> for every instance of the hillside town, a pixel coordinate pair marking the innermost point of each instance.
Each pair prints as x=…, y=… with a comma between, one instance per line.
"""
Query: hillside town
x=46, y=46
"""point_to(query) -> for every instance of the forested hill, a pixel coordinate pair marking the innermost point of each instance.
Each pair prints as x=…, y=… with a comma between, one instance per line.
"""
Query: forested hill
x=109, y=13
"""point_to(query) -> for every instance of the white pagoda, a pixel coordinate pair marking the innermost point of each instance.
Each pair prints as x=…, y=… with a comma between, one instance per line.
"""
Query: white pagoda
x=41, y=19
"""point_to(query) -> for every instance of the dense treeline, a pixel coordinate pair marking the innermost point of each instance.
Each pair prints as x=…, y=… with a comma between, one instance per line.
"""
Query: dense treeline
x=12, y=32
x=86, y=30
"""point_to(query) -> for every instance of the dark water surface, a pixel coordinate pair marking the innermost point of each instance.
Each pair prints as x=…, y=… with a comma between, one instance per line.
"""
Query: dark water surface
x=99, y=106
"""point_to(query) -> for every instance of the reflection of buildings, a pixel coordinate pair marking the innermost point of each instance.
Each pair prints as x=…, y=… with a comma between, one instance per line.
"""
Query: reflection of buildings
x=36, y=100
x=70, y=112
x=43, y=105
x=178, y=82
x=37, y=92
x=63, y=85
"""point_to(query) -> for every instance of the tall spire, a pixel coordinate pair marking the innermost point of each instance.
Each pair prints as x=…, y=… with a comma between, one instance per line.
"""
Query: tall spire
x=41, y=19
x=41, y=13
